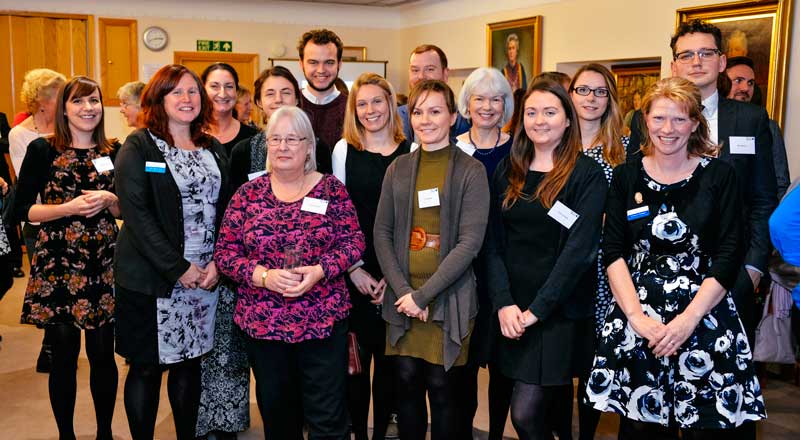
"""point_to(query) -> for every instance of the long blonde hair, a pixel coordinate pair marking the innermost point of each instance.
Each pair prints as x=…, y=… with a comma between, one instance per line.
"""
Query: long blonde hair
x=353, y=132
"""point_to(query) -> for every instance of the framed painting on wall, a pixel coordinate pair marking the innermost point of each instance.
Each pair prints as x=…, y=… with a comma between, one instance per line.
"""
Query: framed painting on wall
x=632, y=83
x=515, y=48
x=759, y=30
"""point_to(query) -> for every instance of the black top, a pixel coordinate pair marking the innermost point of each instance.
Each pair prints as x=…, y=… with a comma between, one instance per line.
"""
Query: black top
x=709, y=204
x=553, y=263
x=149, y=254
x=35, y=168
x=755, y=173
x=245, y=132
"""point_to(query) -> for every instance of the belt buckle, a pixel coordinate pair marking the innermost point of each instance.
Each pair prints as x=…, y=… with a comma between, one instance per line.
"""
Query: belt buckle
x=418, y=239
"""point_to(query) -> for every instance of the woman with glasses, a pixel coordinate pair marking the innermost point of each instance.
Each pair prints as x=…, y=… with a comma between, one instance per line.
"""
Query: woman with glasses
x=673, y=354
x=287, y=240
x=544, y=230
x=373, y=139
x=485, y=100
x=594, y=95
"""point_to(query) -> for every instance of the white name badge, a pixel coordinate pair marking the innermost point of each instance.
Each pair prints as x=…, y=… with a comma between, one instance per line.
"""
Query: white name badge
x=255, y=175
x=636, y=213
x=103, y=164
x=565, y=216
x=317, y=206
x=742, y=144
x=155, y=167
x=428, y=198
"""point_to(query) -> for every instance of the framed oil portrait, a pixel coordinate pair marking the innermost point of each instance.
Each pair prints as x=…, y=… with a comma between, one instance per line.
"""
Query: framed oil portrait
x=759, y=30
x=515, y=48
x=632, y=83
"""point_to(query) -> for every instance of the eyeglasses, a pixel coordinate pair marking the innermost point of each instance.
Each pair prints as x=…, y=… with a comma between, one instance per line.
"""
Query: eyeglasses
x=600, y=92
x=687, y=56
x=291, y=141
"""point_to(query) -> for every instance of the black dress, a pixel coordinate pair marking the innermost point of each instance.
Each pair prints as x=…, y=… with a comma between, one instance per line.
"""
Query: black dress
x=245, y=132
x=535, y=262
x=364, y=173
x=691, y=232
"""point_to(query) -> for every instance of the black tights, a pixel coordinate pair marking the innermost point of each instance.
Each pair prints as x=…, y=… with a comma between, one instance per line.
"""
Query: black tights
x=66, y=342
x=588, y=417
x=538, y=411
x=382, y=389
x=500, y=388
x=415, y=377
x=142, y=391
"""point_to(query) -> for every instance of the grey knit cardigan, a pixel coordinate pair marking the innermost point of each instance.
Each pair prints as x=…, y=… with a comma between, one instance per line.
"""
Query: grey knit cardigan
x=464, y=214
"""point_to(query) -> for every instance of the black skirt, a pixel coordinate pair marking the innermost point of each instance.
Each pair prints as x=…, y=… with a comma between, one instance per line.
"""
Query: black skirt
x=136, y=335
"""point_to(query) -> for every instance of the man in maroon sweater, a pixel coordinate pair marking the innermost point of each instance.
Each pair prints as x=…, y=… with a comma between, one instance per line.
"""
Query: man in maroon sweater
x=320, y=53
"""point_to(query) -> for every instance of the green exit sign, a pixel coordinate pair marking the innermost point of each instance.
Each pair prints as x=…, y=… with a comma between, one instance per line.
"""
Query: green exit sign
x=214, y=46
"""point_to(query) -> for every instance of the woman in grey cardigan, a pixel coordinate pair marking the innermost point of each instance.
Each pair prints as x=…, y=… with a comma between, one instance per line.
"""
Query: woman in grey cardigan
x=429, y=227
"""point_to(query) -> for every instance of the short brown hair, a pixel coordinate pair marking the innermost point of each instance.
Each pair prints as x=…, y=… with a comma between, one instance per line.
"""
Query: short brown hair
x=684, y=93
x=696, y=27
x=320, y=37
x=155, y=118
x=432, y=86
x=431, y=47
x=77, y=87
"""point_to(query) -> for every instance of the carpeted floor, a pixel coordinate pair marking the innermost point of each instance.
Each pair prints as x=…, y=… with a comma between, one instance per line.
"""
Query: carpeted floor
x=25, y=412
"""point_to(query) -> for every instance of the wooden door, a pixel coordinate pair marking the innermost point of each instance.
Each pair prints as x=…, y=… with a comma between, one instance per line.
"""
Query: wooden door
x=119, y=56
x=246, y=64
x=60, y=42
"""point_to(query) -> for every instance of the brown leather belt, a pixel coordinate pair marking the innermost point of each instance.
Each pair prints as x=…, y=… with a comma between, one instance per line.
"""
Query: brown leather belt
x=421, y=239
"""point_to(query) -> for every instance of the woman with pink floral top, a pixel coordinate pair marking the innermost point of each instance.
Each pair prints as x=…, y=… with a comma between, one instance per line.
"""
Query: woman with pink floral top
x=288, y=238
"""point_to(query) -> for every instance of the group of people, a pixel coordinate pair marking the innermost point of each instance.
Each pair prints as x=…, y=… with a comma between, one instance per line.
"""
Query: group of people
x=427, y=240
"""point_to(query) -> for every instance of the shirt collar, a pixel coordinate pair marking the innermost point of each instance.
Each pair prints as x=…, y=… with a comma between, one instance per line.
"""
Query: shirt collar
x=322, y=101
x=711, y=105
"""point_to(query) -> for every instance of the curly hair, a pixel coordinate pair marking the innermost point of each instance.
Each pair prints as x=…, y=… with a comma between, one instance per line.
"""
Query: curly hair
x=40, y=83
x=320, y=37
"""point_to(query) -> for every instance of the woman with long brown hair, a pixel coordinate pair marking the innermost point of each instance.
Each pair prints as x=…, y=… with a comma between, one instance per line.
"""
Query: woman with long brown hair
x=544, y=230
x=71, y=284
x=594, y=94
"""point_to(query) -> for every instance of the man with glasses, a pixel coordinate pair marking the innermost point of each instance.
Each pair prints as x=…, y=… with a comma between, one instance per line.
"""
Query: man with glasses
x=742, y=130
x=741, y=72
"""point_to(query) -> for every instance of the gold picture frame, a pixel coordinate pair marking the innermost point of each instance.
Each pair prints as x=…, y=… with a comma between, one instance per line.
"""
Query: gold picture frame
x=763, y=26
x=354, y=53
x=528, y=32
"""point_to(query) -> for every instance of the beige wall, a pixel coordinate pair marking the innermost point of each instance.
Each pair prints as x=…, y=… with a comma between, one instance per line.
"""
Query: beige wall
x=574, y=31
x=586, y=30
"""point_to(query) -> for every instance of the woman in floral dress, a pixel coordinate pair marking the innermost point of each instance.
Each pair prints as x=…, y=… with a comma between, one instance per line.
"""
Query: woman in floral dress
x=673, y=354
x=71, y=283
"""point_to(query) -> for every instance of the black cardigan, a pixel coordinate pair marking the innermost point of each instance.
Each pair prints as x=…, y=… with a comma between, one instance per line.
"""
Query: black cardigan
x=149, y=254
x=571, y=285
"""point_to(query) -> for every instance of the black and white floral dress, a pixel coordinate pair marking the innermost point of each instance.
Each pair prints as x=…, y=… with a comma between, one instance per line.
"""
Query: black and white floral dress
x=602, y=299
x=710, y=382
x=185, y=319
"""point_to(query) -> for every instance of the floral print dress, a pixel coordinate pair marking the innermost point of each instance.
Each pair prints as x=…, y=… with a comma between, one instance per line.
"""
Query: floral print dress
x=710, y=382
x=185, y=319
x=72, y=278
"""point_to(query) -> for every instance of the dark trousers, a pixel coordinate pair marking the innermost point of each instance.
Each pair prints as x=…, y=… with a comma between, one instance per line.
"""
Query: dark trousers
x=371, y=346
x=311, y=375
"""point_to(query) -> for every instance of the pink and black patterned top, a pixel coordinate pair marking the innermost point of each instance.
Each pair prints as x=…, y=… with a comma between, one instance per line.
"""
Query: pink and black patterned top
x=257, y=227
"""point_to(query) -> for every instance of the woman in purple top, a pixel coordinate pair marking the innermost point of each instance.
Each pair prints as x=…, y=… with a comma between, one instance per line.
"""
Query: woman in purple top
x=287, y=239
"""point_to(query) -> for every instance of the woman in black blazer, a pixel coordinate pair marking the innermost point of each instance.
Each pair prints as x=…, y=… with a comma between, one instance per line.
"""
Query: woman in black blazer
x=173, y=189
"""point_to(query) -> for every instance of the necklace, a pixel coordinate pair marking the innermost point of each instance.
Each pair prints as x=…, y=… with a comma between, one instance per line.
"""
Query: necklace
x=299, y=191
x=478, y=150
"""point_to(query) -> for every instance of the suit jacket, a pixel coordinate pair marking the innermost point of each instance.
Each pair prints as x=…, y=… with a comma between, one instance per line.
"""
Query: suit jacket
x=755, y=175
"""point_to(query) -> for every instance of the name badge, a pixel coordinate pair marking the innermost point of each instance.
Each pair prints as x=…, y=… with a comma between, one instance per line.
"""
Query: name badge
x=562, y=214
x=636, y=213
x=155, y=167
x=103, y=164
x=255, y=175
x=317, y=206
x=428, y=198
x=743, y=145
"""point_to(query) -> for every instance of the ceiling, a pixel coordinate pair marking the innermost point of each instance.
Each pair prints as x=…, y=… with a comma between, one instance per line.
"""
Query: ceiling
x=379, y=3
